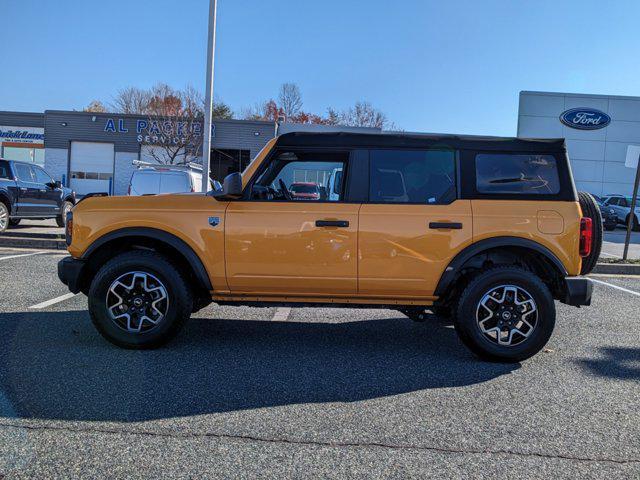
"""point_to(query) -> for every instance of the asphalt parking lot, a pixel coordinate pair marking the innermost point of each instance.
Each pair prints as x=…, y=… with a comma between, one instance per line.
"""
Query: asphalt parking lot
x=305, y=393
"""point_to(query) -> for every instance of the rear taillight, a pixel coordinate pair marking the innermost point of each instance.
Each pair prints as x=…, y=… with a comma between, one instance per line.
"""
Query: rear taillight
x=586, y=236
x=68, y=229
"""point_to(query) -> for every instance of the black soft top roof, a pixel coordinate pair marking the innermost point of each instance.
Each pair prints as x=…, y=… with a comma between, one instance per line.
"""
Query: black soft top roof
x=390, y=140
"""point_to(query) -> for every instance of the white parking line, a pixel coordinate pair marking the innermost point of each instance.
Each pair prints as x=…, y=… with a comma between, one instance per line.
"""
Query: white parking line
x=616, y=287
x=21, y=255
x=53, y=301
x=281, y=315
x=610, y=255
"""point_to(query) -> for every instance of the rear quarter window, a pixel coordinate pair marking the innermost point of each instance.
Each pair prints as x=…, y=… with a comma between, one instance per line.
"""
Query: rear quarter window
x=526, y=174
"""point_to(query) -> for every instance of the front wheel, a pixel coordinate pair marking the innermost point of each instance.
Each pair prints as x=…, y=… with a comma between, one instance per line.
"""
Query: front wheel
x=139, y=299
x=505, y=314
x=4, y=217
x=61, y=219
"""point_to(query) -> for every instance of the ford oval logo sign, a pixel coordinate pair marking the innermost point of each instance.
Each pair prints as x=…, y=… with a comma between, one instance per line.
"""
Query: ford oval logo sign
x=585, y=118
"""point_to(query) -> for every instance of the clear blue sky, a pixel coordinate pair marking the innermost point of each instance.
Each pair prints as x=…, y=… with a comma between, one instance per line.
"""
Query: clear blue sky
x=436, y=66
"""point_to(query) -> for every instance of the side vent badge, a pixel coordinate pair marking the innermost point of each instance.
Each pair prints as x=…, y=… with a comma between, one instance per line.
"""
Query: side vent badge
x=214, y=221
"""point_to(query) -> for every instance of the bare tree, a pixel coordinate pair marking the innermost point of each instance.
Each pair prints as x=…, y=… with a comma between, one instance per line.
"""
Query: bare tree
x=174, y=125
x=130, y=100
x=96, y=106
x=363, y=114
x=290, y=100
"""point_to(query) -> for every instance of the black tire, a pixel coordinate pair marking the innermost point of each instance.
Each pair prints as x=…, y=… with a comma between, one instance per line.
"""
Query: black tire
x=178, y=294
x=635, y=227
x=14, y=222
x=4, y=217
x=467, y=325
x=61, y=219
x=591, y=209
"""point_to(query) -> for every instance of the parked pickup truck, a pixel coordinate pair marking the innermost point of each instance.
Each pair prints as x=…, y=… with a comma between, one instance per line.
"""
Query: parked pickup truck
x=28, y=191
x=487, y=232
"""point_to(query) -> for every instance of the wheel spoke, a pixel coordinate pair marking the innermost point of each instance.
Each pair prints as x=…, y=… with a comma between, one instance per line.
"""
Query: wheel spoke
x=507, y=315
x=137, y=301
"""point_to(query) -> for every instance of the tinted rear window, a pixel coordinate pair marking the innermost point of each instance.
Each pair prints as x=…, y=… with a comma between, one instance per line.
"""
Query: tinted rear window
x=500, y=173
x=4, y=170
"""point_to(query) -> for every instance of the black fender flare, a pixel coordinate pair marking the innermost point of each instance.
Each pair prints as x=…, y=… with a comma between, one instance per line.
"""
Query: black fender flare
x=157, y=235
x=450, y=273
x=6, y=198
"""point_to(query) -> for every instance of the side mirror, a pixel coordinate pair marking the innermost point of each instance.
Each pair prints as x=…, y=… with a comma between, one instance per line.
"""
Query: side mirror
x=57, y=184
x=231, y=187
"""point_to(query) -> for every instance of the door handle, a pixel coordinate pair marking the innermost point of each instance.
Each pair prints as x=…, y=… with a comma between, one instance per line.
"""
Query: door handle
x=332, y=223
x=23, y=189
x=445, y=225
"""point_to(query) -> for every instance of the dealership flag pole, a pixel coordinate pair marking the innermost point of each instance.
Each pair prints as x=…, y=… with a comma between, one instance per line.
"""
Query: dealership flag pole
x=633, y=210
x=208, y=107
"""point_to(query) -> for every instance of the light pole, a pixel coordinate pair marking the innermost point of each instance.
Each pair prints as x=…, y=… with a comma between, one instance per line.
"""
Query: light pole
x=208, y=107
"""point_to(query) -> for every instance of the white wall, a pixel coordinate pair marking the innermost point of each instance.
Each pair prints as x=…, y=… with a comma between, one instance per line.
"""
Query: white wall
x=597, y=156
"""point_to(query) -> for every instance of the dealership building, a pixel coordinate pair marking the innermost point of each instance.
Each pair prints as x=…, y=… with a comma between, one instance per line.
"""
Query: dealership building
x=93, y=152
x=601, y=131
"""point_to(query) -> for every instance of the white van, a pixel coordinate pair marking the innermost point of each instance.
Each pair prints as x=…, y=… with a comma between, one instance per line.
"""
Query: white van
x=152, y=180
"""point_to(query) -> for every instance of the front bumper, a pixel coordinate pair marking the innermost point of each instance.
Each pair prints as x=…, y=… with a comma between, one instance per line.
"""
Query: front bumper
x=70, y=273
x=578, y=291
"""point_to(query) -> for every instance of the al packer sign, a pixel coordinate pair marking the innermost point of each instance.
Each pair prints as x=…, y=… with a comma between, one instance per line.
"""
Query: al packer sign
x=22, y=134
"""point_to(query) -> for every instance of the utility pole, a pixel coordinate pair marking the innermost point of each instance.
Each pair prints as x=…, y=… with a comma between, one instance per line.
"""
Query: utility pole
x=208, y=107
x=632, y=215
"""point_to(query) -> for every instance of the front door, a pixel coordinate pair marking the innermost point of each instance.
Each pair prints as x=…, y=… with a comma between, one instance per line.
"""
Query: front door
x=287, y=237
x=50, y=196
x=413, y=225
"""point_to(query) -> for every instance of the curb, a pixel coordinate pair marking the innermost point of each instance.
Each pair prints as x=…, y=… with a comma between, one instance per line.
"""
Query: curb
x=617, y=268
x=25, y=242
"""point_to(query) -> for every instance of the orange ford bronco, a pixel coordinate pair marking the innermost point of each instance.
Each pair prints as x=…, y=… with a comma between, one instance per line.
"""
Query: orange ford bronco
x=486, y=231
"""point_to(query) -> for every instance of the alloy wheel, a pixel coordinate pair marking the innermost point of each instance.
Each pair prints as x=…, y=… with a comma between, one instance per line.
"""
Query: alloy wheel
x=4, y=216
x=137, y=302
x=507, y=315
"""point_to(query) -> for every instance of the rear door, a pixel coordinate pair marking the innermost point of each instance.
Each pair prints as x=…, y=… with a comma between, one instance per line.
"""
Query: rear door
x=28, y=203
x=413, y=224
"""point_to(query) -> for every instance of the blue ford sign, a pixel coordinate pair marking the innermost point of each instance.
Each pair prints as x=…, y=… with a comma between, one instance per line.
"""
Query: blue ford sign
x=585, y=118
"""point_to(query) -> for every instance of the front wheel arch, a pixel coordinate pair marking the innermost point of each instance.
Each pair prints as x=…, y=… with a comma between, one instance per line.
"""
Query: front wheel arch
x=142, y=238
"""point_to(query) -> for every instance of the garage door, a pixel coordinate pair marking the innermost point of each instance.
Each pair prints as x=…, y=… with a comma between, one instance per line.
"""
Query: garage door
x=91, y=167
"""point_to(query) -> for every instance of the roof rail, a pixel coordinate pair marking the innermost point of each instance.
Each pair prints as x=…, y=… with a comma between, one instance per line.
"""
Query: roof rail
x=184, y=166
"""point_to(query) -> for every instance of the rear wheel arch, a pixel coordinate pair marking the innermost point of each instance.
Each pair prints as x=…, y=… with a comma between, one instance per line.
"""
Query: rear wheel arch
x=144, y=238
x=502, y=251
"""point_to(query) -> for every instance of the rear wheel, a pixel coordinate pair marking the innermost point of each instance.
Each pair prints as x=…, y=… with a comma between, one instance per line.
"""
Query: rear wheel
x=505, y=314
x=61, y=219
x=591, y=210
x=139, y=299
x=635, y=226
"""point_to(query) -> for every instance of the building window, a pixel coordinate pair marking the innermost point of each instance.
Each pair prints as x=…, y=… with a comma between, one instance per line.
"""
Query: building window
x=24, y=153
x=226, y=161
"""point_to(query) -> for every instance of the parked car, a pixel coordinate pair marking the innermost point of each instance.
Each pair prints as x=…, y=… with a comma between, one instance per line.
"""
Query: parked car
x=28, y=191
x=609, y=218
x=150, y=179
x=305, y=191
x=492, y=259
x=621, y=205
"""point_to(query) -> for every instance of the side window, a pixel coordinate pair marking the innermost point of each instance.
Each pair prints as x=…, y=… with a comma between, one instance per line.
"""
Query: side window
x=303, y=176
x=412, y=176
x=24, y=172
x=500, y=173
x=623, y=202
x=5, y=172
x=42, y=176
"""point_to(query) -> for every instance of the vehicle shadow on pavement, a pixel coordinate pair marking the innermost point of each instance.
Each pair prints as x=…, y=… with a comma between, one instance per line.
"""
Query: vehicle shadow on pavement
x=55, y=366
x=619, y=362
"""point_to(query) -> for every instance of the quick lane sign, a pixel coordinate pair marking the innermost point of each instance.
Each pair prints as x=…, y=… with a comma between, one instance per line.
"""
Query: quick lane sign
x=22, y=134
